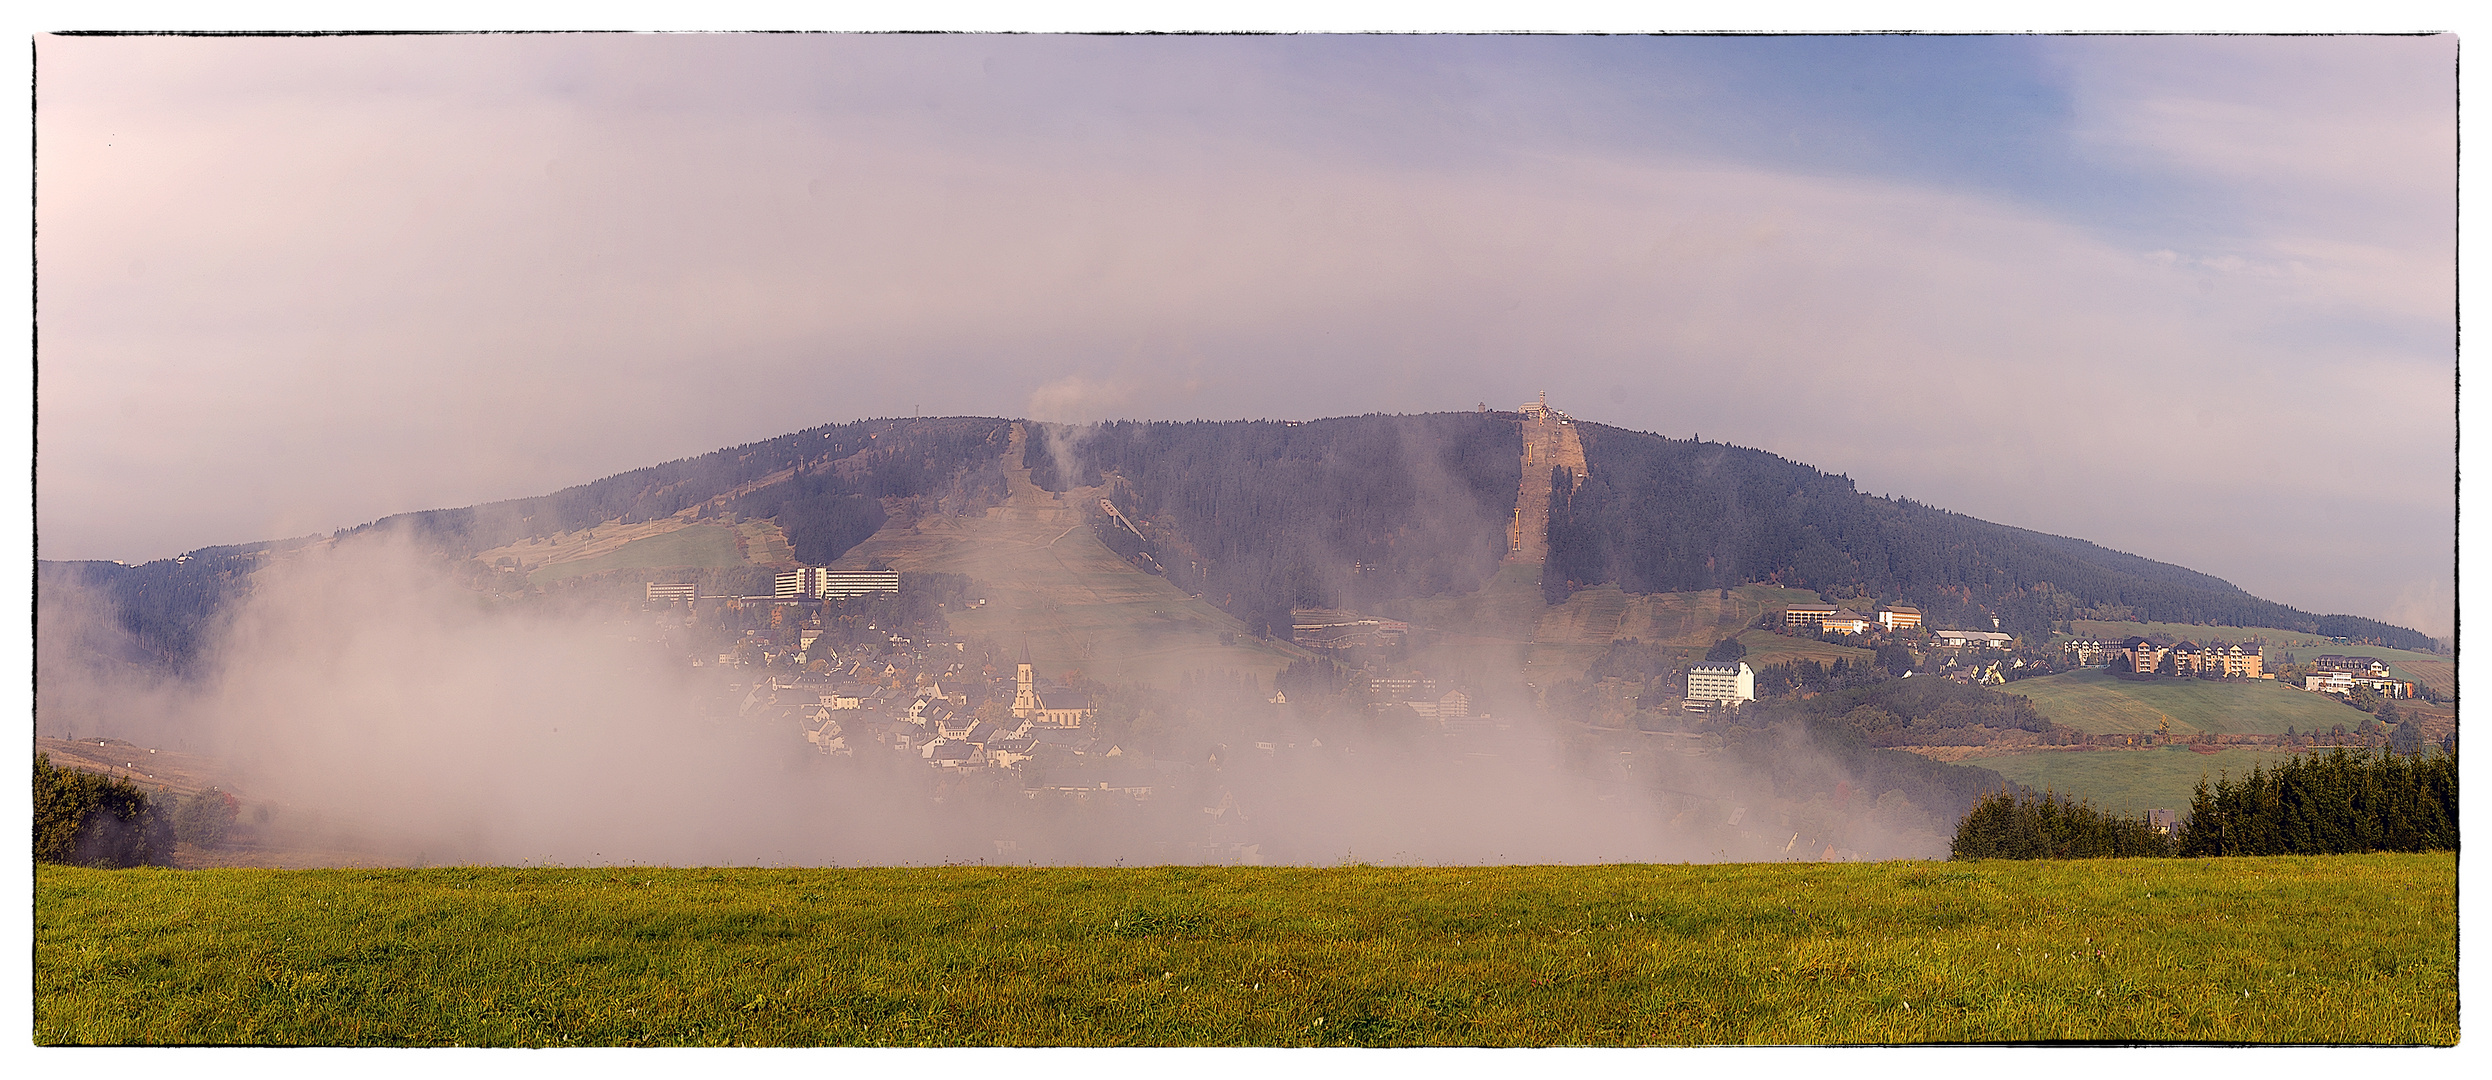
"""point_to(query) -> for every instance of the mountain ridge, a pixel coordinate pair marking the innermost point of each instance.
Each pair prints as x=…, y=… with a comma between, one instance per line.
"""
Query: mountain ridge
x=1262, y=516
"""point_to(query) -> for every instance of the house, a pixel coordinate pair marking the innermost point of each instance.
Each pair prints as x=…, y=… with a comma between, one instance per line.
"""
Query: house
x=2352, y=665
x=1900, y=617
x=952, y=754
x=2385, y=687
x=1845, y=622
x=1968, y=639
x=2333, y=682
x=2231, y=662
x=1721, y=683
x=829, y=739
x=1807, y=614
x=2085, y=652
x=2184, y=656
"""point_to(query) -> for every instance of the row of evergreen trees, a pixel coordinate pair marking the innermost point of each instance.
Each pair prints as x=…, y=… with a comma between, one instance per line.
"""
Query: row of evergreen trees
x=2008, y=825
x=2324, y=804
x=2315, y=804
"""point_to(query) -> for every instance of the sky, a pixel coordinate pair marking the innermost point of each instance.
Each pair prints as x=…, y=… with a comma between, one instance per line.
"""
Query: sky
x=2187, y=297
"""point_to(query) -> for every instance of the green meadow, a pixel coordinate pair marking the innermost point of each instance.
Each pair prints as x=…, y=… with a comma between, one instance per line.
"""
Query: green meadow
x=2127, y=782
x=2338, y=949
x=2093, y=700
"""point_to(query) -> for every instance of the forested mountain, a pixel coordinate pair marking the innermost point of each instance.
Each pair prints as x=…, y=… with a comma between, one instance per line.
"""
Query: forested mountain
x=1339, y=513
x=825, y=486
x=1263, y=516
x=1666, y=515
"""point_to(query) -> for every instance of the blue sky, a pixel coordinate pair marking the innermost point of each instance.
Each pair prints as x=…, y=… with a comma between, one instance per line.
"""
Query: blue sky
x=2188, y=297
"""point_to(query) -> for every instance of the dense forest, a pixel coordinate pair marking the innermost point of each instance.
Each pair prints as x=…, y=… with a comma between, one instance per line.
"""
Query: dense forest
x=1668, y=515
x=1261, y=516
x=831, y=474
x=1264, y=515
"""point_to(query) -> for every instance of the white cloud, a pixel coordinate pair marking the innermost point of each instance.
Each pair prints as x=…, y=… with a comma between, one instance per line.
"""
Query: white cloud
x=280, y=299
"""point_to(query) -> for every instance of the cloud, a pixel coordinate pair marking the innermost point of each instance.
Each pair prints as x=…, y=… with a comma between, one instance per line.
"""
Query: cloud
x=290, y=286
x=386, y=714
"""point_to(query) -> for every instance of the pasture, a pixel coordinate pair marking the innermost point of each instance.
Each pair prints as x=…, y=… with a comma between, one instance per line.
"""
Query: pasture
x=2093, y=700
x=2126, y=782
x=2351, y=949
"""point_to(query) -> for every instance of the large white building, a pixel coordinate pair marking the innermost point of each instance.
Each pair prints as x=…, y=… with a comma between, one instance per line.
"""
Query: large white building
x=836, y=584
x=1721, y=683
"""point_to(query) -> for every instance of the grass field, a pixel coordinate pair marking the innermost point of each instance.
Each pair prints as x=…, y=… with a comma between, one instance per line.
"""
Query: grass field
x=2126, y=781
x=692, y=545
x=2320, y=949
x=2091, y=700
x=1767, y=647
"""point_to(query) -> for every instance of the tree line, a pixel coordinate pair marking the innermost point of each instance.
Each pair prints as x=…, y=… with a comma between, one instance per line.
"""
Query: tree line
x=2314, y=804
x=2324, y=804
x=87, y=819
x=2029, y=825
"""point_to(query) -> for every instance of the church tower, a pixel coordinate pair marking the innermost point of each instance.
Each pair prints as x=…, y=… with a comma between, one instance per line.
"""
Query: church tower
x=1025, y=702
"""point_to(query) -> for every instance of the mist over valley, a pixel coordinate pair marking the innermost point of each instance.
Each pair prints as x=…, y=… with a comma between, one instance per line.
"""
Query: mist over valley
x=1437, y=638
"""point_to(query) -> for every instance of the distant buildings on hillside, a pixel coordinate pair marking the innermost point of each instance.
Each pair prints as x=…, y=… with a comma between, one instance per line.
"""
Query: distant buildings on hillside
x=803, y=583
x=1972, y=639
x=1835, y=620
x=826, y=584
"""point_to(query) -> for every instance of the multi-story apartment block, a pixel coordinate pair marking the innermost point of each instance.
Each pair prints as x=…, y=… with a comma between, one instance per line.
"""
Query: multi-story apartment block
x=828, y=584
x=1721, y=683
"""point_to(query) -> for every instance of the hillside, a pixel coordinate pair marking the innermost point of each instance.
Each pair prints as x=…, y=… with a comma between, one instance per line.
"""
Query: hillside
x=1259, y=517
